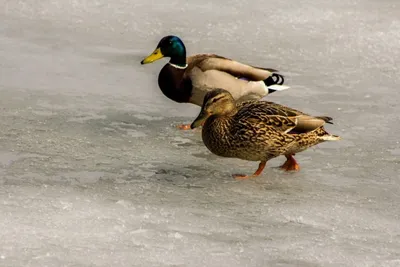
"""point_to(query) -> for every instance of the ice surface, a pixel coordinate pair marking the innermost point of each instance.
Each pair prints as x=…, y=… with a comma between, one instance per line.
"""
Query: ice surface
x=94, y=173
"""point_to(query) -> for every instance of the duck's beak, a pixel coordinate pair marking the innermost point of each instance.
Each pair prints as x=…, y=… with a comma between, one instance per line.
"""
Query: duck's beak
x=199, y=121
x=156, y=55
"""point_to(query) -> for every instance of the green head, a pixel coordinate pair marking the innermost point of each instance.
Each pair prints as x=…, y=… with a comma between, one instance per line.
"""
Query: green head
x=218, y=102
x=169, y=46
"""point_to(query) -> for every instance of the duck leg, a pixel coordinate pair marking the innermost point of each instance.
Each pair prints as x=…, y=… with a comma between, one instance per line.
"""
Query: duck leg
x=189, y=126
x=290, y=164
x=261, y=167
x=184, y=126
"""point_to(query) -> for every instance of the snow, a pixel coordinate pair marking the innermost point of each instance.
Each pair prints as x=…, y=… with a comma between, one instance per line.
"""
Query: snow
x=93, y=171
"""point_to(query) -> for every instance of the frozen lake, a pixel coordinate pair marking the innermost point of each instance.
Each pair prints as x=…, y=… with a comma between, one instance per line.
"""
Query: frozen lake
x=93, y=171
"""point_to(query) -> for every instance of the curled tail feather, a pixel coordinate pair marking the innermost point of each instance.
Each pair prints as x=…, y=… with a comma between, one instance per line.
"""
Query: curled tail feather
x=326, y=119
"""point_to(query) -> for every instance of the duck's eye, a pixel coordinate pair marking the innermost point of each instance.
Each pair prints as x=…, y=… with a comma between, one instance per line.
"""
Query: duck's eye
x=216, y=99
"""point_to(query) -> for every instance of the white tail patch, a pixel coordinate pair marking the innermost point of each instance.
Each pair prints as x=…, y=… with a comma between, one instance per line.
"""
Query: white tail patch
x=278, y=87
x=330, y=137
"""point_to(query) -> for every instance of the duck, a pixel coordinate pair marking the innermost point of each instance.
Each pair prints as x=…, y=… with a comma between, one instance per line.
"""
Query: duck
x=258, y=130
x=187, y=79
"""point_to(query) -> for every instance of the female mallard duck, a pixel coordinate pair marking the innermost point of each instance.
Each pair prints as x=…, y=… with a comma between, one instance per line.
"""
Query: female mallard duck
x=257, y=130
x=188, y=79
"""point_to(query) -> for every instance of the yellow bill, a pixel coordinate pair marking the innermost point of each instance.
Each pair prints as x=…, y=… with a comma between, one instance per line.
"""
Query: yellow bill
x=156, y=55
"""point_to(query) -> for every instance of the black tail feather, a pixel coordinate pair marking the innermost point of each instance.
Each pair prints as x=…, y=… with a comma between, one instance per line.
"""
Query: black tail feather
x=274, y=79
x=326, y=119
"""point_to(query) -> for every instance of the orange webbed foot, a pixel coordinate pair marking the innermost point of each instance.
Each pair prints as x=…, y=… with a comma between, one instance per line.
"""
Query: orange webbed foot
x=241, y=176
x=290, y=164
x=184, y=127
x=261, y=167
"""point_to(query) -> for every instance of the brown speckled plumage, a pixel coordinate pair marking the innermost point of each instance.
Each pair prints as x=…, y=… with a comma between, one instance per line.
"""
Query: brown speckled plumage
x=257, y=130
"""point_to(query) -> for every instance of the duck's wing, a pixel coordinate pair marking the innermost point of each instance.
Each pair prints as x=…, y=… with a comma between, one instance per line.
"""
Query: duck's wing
x=232, y=67
x=281, y=118
x=209, y=71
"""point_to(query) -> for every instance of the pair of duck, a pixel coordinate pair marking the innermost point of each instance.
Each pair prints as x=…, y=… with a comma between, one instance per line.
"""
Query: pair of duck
x=235, y=124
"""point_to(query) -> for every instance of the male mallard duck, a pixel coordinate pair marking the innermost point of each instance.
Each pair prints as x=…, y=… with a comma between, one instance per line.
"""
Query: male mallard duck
x=187, y=79
x=257, y=130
